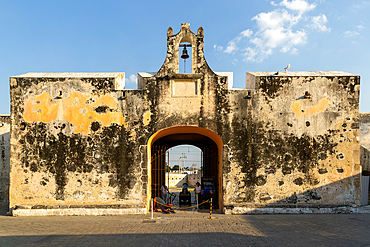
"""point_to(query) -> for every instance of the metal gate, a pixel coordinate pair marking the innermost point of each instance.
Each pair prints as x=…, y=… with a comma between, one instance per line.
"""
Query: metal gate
x=209, y=164
x=158, y=163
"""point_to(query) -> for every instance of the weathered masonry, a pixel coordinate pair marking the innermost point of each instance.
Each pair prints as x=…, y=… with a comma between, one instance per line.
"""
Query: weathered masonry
x=83, y=145
x=4, y=159
x=365, y=156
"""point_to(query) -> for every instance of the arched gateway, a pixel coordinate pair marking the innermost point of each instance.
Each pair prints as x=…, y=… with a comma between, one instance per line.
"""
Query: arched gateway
x=209, y=142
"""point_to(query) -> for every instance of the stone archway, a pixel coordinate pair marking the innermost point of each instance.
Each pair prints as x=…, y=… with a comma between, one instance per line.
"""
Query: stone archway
x=208, y=141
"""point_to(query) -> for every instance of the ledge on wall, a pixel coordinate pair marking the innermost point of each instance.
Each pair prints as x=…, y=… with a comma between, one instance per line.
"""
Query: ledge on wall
x=75, y=210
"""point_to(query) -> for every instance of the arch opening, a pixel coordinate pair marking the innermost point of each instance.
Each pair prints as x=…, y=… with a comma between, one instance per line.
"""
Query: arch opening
x=207, y=141
x=185, y=158
x=185, y=65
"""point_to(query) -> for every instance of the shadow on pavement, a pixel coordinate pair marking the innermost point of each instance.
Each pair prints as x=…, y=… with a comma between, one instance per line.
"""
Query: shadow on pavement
x=3, y=210
x=170, y=239
x=160, y=239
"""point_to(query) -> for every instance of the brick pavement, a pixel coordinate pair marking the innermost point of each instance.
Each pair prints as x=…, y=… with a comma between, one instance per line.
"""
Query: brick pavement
x=187, y=229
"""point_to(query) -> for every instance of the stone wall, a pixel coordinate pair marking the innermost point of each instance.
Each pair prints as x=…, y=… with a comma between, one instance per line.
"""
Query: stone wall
x=177, y=180
x=365, y=143
x=193, y=179
x=297, y=141
x=365, y=156
x=71, y=143
x=4, y=159
x=80, y=141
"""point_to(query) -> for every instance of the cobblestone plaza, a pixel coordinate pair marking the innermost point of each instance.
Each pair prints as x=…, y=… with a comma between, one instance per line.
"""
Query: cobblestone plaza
x=187, y=229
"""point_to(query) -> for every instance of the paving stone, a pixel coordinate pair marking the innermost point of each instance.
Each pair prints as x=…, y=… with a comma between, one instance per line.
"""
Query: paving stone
x=187, y=229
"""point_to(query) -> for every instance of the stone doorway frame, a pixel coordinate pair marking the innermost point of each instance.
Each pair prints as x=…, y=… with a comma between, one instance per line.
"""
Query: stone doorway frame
x=187, y=130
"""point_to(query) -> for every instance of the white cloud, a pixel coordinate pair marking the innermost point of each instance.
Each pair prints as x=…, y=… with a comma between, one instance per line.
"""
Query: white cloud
x=298, y=5
x=349, y=34
x=283, y=37
x=231, y=46
x=218, y=47
x=275, y=19
x=294, y=51
x=319, y=23
x=360, y=27
x=271, y=39
x=250, y=54
x=277, y=31
x=131, y=80
x=246, y=33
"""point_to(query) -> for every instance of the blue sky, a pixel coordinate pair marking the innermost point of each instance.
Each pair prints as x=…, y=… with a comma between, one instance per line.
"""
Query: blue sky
x=191, y=153
x=130, y=37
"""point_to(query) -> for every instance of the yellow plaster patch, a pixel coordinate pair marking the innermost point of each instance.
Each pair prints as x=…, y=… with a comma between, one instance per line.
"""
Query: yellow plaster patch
x=303, y=111
x=146, y=118
x=40, y=109
x=78, y=109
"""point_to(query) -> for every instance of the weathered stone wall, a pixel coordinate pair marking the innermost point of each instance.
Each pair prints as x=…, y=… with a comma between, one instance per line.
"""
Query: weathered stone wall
x=365, y=143
x=297, y=141
x=178, y=179
x=79, y=141
x=365, y=156
x=4, y=158
x=193, y=179
x=71, y=143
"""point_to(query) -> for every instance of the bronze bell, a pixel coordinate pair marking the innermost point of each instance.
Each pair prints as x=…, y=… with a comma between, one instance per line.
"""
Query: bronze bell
x=184, y=53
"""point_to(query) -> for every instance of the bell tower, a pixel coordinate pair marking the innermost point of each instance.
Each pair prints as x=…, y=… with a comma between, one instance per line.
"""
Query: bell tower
x=178, y=46
x=188, y=46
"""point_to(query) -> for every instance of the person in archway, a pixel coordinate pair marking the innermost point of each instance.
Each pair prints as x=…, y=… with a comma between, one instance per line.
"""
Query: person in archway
x=207, y=194
x=198, y=192
x=160, y=204
x=164, y=193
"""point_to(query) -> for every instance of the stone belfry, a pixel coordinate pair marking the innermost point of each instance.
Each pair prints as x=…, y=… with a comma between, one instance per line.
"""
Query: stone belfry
x=171, y=64
x=203, y=76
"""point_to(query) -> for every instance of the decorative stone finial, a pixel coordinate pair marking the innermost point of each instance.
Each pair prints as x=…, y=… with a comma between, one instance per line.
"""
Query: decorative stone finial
x=185, y=25
x=169, y=31
x=200, y=31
